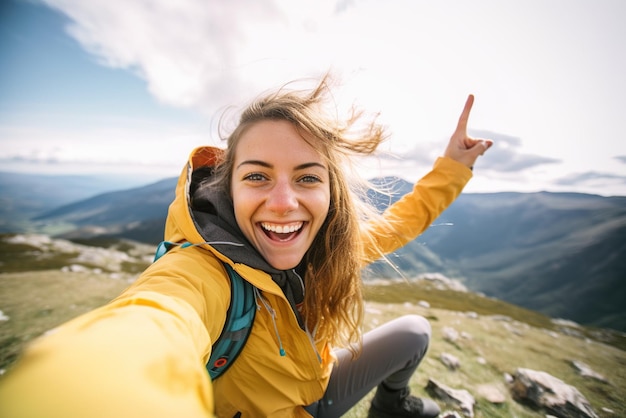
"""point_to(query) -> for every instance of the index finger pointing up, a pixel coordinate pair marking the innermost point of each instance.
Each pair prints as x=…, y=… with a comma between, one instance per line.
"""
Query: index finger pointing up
x=462, y=125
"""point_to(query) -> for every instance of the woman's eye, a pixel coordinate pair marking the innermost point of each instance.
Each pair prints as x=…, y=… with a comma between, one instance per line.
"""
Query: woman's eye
x=254, y=177
x=310, y=179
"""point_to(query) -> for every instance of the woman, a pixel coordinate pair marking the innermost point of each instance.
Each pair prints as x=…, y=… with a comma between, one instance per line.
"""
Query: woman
x=277, y=208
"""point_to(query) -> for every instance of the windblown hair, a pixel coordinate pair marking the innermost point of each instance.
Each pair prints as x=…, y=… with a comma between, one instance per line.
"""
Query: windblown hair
x=333, y=302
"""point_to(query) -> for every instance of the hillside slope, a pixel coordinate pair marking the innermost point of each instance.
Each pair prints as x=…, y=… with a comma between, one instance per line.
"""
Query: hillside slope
x=137, y=213
x=558, y=253
x=47, y=282
x=561, y=254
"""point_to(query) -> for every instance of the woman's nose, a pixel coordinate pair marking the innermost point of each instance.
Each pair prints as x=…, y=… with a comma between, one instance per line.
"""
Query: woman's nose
x=282, y=199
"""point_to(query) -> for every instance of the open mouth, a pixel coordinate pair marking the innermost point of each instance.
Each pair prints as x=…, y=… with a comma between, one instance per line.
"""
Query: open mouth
x=282, y=233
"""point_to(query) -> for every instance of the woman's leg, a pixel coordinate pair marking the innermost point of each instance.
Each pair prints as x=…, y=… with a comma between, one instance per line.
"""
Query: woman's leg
x=391, y=354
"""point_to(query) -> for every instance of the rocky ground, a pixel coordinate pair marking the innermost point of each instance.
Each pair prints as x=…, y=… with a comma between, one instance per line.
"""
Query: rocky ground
x=487, y=358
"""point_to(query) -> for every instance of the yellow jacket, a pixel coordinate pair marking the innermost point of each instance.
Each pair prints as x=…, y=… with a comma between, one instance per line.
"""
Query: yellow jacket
x=144, y=354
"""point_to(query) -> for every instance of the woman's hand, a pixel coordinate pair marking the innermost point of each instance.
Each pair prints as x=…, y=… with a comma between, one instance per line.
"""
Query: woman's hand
x=462, y=147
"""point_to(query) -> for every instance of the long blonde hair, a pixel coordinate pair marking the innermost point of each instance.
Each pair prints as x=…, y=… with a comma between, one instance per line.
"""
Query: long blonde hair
x=333, y=302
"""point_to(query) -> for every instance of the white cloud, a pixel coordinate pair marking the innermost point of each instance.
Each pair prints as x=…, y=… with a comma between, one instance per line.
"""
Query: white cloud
x=547, y=73
x=192, y=53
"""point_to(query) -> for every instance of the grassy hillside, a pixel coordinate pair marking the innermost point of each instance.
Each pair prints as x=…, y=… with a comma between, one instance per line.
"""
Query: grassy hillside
x=38, y=301
x=558, y=253
x=497, y=337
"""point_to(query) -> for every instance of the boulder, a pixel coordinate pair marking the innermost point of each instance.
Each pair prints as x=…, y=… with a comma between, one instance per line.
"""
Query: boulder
x=551, y=394
x=450, y=361
x=459, y=398
x=585, y=371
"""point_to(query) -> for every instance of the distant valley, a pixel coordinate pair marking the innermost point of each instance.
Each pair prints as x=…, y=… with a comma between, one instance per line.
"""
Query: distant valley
x=24, y=196
x=560, y=254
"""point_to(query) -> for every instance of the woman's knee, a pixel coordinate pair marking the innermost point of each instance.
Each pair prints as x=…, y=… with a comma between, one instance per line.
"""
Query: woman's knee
x=408, y=335
x=417, y=328
x=410, y=341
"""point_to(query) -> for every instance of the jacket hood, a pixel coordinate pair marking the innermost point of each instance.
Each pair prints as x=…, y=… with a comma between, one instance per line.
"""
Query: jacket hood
x=206, y=215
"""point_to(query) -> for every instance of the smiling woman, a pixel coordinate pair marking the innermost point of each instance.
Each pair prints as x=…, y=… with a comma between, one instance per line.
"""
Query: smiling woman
x=281, y=199
x=276, y=208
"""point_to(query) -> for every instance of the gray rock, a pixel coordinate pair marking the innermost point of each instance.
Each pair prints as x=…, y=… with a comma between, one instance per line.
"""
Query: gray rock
x=551, y=394
x=450, y=361
x=459, y=398
x=450, y=334
x=586, y=371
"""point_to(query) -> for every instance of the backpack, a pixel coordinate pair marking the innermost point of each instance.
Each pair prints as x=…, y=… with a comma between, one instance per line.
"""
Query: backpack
x=239, y=318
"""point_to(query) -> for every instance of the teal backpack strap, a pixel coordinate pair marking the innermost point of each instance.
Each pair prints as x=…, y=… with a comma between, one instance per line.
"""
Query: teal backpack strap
x=239, y=320
x=165, y=246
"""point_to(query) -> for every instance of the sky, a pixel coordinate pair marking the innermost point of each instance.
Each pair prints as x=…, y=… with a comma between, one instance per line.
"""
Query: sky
x=132, y=87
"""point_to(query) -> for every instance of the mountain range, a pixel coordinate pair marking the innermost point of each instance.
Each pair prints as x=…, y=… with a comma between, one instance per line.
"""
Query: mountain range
x=561, y=254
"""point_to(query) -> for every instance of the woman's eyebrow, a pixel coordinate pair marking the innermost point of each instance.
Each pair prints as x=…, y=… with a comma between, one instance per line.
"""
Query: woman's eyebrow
x=268, y=165
x=309, y=165
x=255, y=162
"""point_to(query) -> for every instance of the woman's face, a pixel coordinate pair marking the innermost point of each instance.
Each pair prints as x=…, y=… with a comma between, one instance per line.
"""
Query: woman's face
x=281, y=192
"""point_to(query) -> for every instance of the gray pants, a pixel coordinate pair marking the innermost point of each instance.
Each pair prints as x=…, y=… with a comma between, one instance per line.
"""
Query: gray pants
x=391, y=354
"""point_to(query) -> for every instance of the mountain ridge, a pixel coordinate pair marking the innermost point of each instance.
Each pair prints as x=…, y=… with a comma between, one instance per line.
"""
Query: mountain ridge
x=557, y=253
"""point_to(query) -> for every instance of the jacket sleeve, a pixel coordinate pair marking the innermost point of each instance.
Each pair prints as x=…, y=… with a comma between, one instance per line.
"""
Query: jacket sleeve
x=140, y=356
x=406, y=219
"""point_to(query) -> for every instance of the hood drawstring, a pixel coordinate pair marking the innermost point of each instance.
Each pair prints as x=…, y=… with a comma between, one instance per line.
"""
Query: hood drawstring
x=301, y=281
x=272, y=312
x=259, y=297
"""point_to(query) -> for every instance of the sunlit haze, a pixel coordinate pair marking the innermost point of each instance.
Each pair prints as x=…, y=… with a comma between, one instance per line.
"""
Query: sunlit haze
x=99, y=86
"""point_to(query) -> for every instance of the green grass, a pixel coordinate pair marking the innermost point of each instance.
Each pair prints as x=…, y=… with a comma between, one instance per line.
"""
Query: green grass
x=23, y=257
x=415, y=291
x=504, y=351
x=38, y=301
x=528, y=340
x=37, y=295
x=43, y=297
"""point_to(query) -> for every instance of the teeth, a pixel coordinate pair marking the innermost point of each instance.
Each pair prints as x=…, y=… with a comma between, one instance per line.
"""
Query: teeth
x=281, y=229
